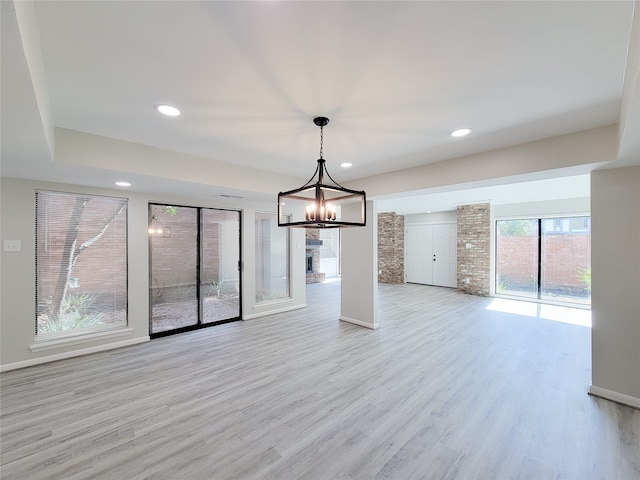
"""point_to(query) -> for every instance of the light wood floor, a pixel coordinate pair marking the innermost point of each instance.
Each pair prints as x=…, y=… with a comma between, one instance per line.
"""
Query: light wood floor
x=444, y=389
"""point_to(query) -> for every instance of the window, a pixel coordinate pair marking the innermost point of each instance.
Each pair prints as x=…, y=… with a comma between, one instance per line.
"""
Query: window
x=272, y=258
x=81, y=264
x=548, y=259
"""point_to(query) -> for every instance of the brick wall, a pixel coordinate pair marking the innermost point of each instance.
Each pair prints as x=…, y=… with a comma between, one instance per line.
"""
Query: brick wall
x=109, y=251
x=317, y=276
x=474, y=249
x=390, y=248
x=565, y=256
x=517, y=259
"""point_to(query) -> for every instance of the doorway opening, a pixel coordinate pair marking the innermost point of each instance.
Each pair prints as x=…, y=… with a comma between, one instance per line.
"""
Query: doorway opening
x=431, y=254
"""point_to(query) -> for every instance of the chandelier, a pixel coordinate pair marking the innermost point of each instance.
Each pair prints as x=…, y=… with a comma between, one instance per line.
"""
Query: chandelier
x=317, y=204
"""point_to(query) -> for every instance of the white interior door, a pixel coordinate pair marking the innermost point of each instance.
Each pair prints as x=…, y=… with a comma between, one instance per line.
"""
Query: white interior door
x=430, y=254
x=418, y=254
x=445, y=255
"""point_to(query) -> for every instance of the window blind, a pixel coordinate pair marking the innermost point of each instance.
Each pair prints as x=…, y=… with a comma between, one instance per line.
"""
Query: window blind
x=81, y=264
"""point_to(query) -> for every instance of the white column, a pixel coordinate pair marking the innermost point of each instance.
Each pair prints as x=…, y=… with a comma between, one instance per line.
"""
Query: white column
x=359, y=271
x=615, y=297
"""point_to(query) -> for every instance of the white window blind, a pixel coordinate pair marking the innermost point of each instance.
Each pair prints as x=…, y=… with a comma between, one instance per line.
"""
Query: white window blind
x=81, y=264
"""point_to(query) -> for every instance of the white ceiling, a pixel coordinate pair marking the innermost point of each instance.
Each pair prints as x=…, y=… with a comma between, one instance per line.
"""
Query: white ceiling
x=394, y=77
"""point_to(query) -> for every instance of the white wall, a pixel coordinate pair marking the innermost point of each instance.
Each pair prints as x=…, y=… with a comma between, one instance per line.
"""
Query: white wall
x=615, y=298
x=17, y=279
x=359, y=286
x=80, y=149
x=558, y=208
x=431, y=218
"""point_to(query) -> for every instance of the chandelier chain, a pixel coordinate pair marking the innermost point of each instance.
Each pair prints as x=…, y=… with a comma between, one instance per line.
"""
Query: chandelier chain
x=321, y=139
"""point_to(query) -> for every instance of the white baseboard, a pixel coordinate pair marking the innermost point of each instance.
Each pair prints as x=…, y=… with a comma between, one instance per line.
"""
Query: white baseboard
x=359, y=322
x=74, y=353
x=614, y=396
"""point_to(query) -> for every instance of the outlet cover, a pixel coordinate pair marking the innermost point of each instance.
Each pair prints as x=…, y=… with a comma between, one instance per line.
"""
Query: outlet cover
x=12, y=245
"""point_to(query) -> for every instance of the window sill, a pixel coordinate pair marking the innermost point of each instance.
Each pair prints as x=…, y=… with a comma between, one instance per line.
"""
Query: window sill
x=268, y=304
x=44, y=345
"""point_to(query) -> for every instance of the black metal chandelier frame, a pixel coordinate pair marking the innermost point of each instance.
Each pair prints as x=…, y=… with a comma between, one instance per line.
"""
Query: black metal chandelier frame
x=321, y=198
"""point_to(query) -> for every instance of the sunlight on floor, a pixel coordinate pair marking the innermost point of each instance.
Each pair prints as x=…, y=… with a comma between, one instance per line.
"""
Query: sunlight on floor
x=331, y=279
x=574, y=316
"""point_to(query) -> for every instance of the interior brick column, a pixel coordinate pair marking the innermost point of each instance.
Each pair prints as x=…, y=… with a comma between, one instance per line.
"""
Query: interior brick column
x=317, y=276
x=474, y=249
x=390, y=248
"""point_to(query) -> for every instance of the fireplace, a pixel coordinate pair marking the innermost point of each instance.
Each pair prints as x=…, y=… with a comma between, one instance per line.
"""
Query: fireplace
x=310, y=262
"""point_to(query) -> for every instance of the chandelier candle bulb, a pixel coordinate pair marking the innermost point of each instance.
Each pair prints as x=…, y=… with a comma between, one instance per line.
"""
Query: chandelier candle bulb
x=311, y=212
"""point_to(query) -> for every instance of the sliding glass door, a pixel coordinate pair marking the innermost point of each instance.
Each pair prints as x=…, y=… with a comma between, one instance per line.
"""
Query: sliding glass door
x=517, y=258
x=194, y=257
x=565, y=267
x=173, y=266
x=220, y=260
x=547, y=259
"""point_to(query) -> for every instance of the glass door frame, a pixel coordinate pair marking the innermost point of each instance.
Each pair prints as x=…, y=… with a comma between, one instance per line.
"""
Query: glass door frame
x=199, y=299
x=540, y=294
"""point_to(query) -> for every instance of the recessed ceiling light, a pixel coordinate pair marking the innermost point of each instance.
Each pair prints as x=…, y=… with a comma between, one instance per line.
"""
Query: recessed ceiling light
x=123, y=184
x=460, y=132
x=168, y=110
x=346, y=165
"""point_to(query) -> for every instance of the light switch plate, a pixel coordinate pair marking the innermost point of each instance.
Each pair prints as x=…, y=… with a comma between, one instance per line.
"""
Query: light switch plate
x=12, y=245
